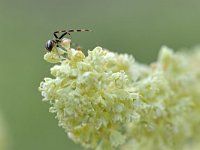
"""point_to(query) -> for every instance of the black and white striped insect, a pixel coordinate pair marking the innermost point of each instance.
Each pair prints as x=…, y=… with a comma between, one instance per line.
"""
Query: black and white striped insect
x=50, y=44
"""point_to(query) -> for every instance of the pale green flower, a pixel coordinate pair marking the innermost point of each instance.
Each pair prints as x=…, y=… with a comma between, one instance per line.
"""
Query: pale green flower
x=92, y=96
x=171, y=118
x=108, y=101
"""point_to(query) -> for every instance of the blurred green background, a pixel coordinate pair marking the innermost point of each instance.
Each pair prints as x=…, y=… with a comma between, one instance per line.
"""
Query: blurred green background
x=139, y=27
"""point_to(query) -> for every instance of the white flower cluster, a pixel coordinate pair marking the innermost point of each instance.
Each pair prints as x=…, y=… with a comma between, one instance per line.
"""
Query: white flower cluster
x=108, y=101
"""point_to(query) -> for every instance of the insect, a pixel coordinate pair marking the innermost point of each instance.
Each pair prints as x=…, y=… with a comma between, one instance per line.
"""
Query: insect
x=57, y=39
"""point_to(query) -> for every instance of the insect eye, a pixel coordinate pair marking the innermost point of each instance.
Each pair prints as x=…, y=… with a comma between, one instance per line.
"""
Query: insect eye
x=49, y=45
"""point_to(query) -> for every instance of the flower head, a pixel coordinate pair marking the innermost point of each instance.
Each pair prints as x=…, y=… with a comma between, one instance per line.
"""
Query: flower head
x=107, y=100
x=92, y=96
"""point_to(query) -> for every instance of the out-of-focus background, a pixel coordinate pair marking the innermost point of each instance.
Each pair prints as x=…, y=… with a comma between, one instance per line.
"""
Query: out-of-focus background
x=127, y=26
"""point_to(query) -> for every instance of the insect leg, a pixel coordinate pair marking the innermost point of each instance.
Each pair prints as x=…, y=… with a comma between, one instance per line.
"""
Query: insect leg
x=55, y=35
x=64, y=35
